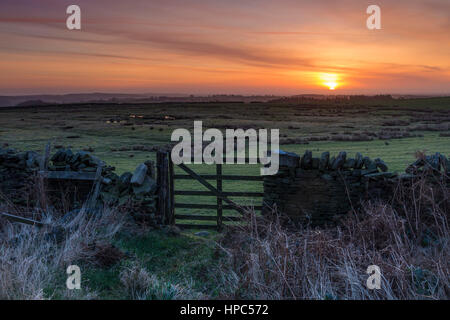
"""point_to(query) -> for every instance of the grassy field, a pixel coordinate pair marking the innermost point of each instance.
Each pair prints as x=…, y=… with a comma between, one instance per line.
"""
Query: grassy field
x=111, y=131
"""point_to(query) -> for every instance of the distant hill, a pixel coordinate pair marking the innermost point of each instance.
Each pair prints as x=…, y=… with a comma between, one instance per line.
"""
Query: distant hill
x=32, y=103
x=11, y=101
x=42, y=100
x=39, y=100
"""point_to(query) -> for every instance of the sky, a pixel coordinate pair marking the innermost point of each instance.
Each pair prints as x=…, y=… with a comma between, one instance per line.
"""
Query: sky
x=279, y=47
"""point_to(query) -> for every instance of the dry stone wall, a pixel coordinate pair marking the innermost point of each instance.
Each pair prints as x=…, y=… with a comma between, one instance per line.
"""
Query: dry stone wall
x=320, y=190
x=16, y=173
x=307, y=189
x=136, y=191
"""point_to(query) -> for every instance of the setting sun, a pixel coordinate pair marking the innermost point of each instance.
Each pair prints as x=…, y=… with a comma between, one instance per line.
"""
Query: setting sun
x=330, y=80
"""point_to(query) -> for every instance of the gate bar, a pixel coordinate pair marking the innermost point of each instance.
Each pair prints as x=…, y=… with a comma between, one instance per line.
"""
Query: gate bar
x=22, y=219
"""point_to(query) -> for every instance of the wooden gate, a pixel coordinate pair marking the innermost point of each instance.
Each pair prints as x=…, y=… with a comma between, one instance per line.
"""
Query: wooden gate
x=215, y=211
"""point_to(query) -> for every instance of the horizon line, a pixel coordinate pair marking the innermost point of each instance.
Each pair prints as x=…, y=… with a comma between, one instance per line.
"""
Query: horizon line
x=162, y=94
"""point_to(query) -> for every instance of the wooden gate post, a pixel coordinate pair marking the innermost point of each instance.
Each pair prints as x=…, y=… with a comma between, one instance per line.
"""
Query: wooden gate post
x=165, y=192
x=171, y=208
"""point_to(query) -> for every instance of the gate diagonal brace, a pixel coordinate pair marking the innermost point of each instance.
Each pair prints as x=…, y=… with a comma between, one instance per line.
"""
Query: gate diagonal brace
x=211, y=188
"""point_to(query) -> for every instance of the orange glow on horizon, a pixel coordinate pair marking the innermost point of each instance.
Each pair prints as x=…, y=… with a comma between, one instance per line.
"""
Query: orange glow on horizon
x=330, y=80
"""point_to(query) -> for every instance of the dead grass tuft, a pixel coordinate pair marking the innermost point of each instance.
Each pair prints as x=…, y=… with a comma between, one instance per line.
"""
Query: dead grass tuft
x=33, y=261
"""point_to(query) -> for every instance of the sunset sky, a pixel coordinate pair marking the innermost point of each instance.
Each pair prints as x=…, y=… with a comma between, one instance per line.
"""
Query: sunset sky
x=227, y=46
